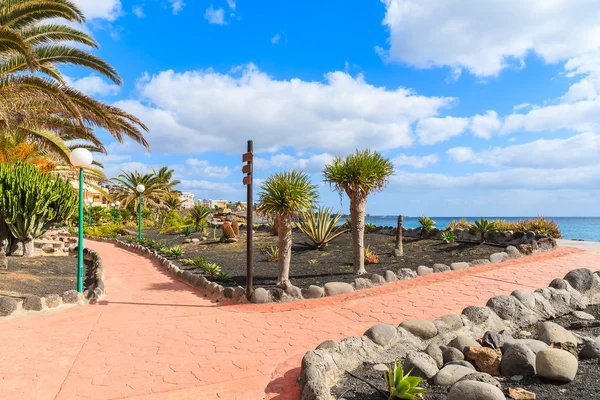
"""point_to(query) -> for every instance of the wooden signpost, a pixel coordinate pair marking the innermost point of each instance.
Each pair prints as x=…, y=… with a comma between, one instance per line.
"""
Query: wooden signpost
x=248, y=181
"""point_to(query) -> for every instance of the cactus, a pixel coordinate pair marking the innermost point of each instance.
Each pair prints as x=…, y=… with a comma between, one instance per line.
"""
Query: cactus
x=30, y=201
x=236, y=227
x=228, y=230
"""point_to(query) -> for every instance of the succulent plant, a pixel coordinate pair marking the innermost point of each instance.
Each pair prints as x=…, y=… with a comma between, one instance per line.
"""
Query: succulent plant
x=402, y=386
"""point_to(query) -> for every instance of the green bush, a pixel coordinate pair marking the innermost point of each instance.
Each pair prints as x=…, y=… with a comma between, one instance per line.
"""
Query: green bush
x=105, y=231
x=172, y=222
x=448, y=237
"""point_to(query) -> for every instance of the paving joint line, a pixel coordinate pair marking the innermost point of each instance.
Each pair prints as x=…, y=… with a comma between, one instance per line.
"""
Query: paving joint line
x=502, y=280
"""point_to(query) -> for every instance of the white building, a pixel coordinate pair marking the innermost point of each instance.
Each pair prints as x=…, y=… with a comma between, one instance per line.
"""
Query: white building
x=187, y=200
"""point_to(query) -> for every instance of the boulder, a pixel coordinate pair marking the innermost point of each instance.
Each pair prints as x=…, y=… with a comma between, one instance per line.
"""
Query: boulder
x=423, y=270
x=421, y=364
x=390, y=276
x=495, y=339
x=33, y=303
x=498, y=257
x=534, y=345
x=363, y=283
x=448, y=323
x=450, y=354
x=513, y=252
x=509, y=308
x=8, y=305
x=435, y=352
x=590, y=350
x=53, y=301
x=478, y=315
x=440, y=268
x=478, y=262
x=481, y=377
x=313, y=292
x=336, y=288
x=485, y=359
x=557, y=365
x=525, y=297
x=381, y=334
x=48, y=248
x=261, y=296
x=546, y=244
x=72, y=297
x=457, y=266
x=518, y=359
x=474, y=390
x=293, y=291
x=462, y=363
x=406, y=274
x=580, y=279
x=451, y=374
x=549, y=332
x=583, y=315
x=329, y=345
x=462, y=341
x=525, y=249
x=420, y=328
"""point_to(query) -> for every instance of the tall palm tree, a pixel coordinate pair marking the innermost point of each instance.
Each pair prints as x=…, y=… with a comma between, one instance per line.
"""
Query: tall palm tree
x=358, y=175
x=284, y=195
x=172, y=201
x=158, y=186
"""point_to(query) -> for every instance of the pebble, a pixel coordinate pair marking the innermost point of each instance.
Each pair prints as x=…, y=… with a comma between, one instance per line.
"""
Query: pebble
x=450, y=374
x=380, y=367
x=583, y=315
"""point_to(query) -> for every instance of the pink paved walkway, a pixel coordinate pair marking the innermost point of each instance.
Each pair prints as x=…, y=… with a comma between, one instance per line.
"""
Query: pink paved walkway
x=156, y=338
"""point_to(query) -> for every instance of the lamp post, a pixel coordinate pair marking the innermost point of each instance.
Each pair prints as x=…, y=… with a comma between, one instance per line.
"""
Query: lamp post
x=80, y=158
x=112, y=211
x=140, y=188
x=90, y=202
x=117, y=203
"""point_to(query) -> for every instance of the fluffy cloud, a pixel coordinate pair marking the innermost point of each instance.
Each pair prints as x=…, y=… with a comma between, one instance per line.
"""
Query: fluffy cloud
x=579, y=150
x=177, y=6
x=484, y=126
x=138, y=11
x=486, y=36
x=196, y=167
x=102, y=9
x=435, y=130
x=415, y=161
x=93, y=85
x=215, y=16
x=275, y=39
x=311, y=164
x=205, y=110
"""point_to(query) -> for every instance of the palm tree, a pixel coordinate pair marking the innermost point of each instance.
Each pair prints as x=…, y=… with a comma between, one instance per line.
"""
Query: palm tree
x=172, y=201
x=358, y=175
x=284, y=195
x=199, y=216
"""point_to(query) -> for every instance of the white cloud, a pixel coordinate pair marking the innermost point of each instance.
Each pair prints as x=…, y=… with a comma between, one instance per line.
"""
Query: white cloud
x=177, y=6
x=579, y=150
x=486, y=36
x=203, y=189
x=205, y=110
x=215, y=16
x=311, y=164
x=416, y=161
x=202, y=168
x=275, y=39
x=101, y=9
x=138, y=11
x=484, y=126
x=231, y=4
x=93, y=85
x=435, y=130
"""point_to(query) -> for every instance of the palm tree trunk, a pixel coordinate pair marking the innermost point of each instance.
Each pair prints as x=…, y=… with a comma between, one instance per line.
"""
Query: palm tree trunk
x=357, y=216
x=284, y=245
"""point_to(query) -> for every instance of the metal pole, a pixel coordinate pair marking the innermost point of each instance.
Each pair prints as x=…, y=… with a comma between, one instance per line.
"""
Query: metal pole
x=117, y=213
x=398, y=249
x=89, y=215
x=140, y=219
x=80, y=244
x=249, y=227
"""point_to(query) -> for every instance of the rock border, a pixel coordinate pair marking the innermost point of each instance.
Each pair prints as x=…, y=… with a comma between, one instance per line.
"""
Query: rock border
x=93, y=281
x=528, y=246
x=323, y=367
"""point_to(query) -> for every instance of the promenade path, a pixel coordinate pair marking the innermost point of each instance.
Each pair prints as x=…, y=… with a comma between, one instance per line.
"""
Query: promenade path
x=156, y=338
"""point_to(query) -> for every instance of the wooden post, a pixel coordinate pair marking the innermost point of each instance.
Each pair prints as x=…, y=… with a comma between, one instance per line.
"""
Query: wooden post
x=248, y=181
x=398, y=249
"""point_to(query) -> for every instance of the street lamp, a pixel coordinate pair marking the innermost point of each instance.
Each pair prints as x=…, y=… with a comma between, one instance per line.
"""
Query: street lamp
x=80, y=158
x=117, y=203
x=90, y=202
x=112, y=211
x=140, y=188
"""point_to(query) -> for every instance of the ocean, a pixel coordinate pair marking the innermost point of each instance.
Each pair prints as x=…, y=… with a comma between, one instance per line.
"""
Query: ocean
x=584, y=228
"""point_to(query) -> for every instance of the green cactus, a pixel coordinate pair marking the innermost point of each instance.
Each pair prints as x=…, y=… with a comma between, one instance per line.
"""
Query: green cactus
x=236, y=227
x=31, y=200
x=228, y=230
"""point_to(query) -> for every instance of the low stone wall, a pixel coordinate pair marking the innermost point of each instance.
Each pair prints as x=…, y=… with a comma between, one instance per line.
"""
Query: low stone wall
x=322, y=368
x=94, y=290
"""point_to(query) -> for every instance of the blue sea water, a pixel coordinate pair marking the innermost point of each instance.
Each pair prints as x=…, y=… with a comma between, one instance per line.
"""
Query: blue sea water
x=585, y=228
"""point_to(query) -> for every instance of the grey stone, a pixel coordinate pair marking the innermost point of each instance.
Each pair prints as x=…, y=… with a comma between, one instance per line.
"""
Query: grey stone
x=363, y=283
x=381, y=334
x=457, y=266
x=313, y=292
x=559, y=284
x=583, y=315
x=390, y=276
x=329, y=345
x=451, y=374
x=33, y=303
x=421, y=364
x=474, y=390
x=423, y=270
x=549, y=332
x=481, y=377
x=463, y=363
x=293, y=291
x=477, y=315
x=277, y=294
x=498, y=257
x=8, y=305
x=557, y=365
x=495, y=339
x=380, y=367
x=451, y=354
x=534, y=345
x=336, y=288
x=420, y=328
x=48, y=248
x=406, y=274
x=228, y=292
x=584, y=324
x=462, y=341
x=437, y=268
x=53, y=301
x=525, y=297
x=186, y=241
x=261, y=296
x=511, y=309
x=518, y=360
x=448, y=323
x=378, y=280
x=513, y=252
x=435, y=352
x=580, y=279
x=195, y=240
x=478, y=262
x=590, y=350
x=72, y=297
x=546, y=244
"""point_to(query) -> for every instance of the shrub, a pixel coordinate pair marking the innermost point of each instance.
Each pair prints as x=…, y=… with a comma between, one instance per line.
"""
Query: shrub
x=321, y=226
x=460, y=224
x=427, y=225
x=222, y=277
x=483, y=226
x=401, y=386
x=212, y=269
x=171, y=223
x=187, y=231
x=448, y=237
x=105, y=231
x=125, y=214
x=369, y=227
x=272, y=253
x=539, y=225
x=175, y=251
x=370, y=256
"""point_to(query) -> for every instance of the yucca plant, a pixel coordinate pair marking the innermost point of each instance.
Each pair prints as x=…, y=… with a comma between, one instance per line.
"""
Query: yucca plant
x=176, y=251
x=460, y=224
x=285, y=195
x=199, y=217
x=358, y=175
x=483, y=226
x=212, y=269
x=222, y=277
x=402, y=386
x=369, y=227
x=448, y=237
x=272, y=253
x=320, y=226
x=427, y=225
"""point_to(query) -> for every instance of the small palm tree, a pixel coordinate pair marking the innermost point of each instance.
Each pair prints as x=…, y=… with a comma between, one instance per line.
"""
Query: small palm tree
x=172, y=201
x=284, y=195
x=199, y=217
x=483, y=226
x=358, y=175
x=427, y=225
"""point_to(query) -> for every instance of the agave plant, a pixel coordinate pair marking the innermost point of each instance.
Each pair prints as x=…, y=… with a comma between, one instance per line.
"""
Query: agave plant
x=448, y=237
x=272, y=253
x=176, y=251
x=427, y=225
x=483, y=226
x=321, y=226
x=401, y=386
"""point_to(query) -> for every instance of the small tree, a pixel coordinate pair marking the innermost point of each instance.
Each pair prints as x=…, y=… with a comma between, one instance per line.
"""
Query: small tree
x=483, y=226
x=199, y=217
x=358, y=175
x=285, y=195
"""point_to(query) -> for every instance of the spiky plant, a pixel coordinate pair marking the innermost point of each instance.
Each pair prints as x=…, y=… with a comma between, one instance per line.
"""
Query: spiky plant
x=199, y=217
x=483, y=226
x=448, y=237
x=370, y=256
x=172, y=201
x=320, y=226
x=427, y=225
x=400, y=385
x=176, y=251
x=272, y=253
x=284, y=195
x=358, y=175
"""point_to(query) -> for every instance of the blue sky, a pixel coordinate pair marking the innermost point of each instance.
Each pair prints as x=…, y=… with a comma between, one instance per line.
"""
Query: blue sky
x=485, y=108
